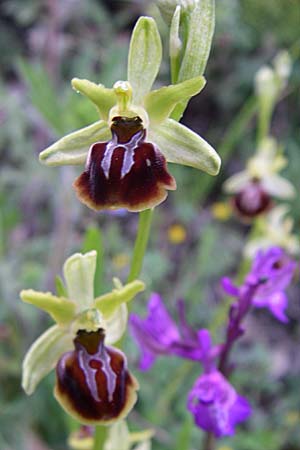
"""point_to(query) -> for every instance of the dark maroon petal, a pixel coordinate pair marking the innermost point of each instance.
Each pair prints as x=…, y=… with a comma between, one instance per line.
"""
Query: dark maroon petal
x=126, y=172
x=93, y=383
x=252, y=200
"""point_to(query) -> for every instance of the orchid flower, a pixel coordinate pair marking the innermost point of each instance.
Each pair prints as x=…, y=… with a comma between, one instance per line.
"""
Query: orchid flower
x=93, y=382
x=255, y=186
x=126, y=152
x=271, y=272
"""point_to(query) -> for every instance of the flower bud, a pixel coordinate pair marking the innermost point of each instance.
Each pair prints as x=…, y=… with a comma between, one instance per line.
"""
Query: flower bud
x=93, y=383
x=266, y=85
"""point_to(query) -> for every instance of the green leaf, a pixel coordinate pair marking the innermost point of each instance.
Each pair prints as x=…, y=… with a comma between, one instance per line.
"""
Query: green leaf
x=145, y=53
x=60, y=309
x=73, y=148
x=79, y=271
x=180, y=145
x=43, y=95
x=160, y=103
x=43, y=356
x=201, y=24
x=101, y=96
x=93, y=241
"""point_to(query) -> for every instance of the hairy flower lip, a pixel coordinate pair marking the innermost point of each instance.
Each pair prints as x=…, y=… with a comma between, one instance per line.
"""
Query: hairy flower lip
x=93, y=382
x=125, y=172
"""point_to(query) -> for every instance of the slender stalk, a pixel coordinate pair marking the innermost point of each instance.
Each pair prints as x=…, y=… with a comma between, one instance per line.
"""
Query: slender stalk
x=209, y=442
x=140, y=244
x=234, y=331
x=100, y=437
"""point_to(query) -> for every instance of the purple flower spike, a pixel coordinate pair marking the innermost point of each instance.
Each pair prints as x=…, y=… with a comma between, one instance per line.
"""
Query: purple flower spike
x=272, y=271
x=216, y=406
x=158, y=334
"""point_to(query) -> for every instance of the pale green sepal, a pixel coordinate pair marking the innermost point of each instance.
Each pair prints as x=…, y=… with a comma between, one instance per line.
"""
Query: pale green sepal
x=79, y=271
x=144, y=58
x=109, y=303
x=116, y=325
x=74, y=147
x=175, y=45
x=101, y=96
x=160, y=103
x=200, y=32
x=180, y=145
x=60, y=309
x=43, y=355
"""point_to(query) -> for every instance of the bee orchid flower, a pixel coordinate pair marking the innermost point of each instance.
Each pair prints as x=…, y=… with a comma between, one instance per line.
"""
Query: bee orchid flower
x=126, y=152
x=93, y=383
x=254, y=187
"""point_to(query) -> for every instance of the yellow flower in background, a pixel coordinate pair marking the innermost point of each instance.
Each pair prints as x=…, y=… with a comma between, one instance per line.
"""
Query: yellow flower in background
x=221, y=211
x=292, y=418
x=225, y=447
x=177, y=234
x=120, y=261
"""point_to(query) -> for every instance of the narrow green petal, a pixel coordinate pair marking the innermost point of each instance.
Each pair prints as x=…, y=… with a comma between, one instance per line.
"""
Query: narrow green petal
x=43, y=355
x=200, y=32
x=73, y=148
x=79, y=272
x=101, y=96
x=160, y=103
x=108, y=303
x=60, y=309
x=180, y=145
x=145, y=53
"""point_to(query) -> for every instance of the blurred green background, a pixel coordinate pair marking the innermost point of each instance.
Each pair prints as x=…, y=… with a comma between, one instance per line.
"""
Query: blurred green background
x=43, y=44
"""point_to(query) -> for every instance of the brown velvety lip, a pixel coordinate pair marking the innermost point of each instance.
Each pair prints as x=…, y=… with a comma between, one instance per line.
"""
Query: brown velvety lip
x=126, y=172
x=93, y=383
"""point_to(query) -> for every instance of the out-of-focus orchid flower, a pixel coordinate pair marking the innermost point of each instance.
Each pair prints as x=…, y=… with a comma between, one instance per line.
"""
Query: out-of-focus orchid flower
x=254, y=187
x=271, y=273
x=213, y=401
x=158, y=334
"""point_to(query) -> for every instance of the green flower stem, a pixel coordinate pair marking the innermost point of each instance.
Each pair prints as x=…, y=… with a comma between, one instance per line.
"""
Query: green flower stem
x=140, y=244
x=209, y=442
x=100, y=436
x=135, y=269
x=265, y=113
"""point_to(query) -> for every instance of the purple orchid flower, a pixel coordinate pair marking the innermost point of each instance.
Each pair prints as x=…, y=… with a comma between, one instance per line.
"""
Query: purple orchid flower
x=215, y=404
x=158, y=334
x=272, y=271
x=213, y=401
